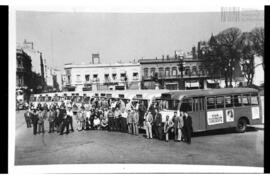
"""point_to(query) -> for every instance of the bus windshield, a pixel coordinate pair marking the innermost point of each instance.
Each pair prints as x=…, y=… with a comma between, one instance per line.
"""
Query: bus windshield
x=56, y=98
x=48, y=98
x=32, y=98
x=167, y=104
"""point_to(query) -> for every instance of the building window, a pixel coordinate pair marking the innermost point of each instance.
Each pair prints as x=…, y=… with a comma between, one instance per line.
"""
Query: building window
x=145, y=72
x=122, y=76
x=87, y=78
x=114, y=76
x=106, y=77
x=135, y=76
x=194, y=70
x=78, y=78
x=174, y=71
x=160, y=71
x=254, y=99
x=95, y=77
x=68, y=79
x=167, y=71
x=152, y=71
x=187, y=70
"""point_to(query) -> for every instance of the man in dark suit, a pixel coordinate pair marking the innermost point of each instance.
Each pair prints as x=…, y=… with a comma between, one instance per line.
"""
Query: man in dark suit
x=34, y=118
x=141, y=110
x=187, y=127
x=65, y=122
x=157, y=124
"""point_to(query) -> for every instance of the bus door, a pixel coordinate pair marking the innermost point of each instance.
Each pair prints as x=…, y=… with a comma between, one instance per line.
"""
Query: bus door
x=194, y=107
x=198, y=114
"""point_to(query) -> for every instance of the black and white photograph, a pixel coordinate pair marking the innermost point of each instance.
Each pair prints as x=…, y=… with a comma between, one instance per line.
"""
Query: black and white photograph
x=182, y=88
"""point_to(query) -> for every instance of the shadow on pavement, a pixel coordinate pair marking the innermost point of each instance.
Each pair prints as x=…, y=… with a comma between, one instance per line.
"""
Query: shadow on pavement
x=221, y=132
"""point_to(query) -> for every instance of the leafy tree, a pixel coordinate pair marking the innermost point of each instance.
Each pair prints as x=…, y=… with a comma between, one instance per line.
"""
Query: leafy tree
x=257, y=35
x=229, y=52
x=247, y=56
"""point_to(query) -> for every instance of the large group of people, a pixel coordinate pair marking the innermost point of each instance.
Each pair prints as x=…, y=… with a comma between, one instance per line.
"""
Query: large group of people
x=110, y=115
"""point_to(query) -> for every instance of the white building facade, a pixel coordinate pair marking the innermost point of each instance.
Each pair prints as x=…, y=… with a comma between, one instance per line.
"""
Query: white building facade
x=103, y=76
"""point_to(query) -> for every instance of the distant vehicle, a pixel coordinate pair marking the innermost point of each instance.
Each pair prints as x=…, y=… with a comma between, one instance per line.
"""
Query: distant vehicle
x=215, y=108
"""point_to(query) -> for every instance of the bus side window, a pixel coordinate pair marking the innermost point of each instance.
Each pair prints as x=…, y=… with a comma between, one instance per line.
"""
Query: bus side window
x=237, y=100
x=220, y=102
x=202, y=103
x=211, y=103
x=246, y=100
x=196, y=104
x=228, y=102
x=186, y=105
x=254, y=99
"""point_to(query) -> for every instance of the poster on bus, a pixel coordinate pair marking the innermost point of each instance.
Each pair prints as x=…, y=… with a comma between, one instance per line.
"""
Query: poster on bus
x=229, y=115
x=215, y=117
x=255, y=112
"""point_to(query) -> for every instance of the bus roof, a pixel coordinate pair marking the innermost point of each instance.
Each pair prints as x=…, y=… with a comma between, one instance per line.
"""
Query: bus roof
x=209, y=92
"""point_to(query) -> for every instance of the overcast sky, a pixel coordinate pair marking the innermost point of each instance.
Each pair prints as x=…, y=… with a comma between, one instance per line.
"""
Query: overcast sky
x=73, y=37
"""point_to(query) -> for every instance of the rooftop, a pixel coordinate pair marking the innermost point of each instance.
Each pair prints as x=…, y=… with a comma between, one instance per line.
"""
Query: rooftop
x=70, y=65
x=201, y=92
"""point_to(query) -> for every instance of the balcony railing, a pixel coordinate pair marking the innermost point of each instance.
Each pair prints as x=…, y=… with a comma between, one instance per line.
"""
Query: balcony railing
x=176, y=76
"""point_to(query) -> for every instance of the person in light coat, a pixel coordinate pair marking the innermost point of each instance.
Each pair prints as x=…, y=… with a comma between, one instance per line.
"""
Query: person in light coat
x=148, y=124
x=168, y=127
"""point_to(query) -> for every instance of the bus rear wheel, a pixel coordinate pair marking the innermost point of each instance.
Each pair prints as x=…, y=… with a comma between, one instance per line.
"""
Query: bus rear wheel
x=241, y=125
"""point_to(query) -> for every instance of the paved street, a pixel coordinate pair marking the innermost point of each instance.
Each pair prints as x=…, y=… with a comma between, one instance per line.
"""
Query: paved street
x=222, y=148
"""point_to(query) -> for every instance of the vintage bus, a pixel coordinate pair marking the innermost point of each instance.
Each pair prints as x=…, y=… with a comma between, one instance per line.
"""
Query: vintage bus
x=215, y=108
x=147, y=97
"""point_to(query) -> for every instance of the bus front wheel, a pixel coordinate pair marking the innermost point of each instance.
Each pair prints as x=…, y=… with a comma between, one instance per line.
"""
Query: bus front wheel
x=241, y=125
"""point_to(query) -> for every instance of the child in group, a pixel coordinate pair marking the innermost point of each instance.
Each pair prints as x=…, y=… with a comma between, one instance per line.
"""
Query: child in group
x=96, y=122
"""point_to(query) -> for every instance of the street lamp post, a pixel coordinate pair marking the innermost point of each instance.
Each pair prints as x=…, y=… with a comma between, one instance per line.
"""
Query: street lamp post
x=181, y=69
